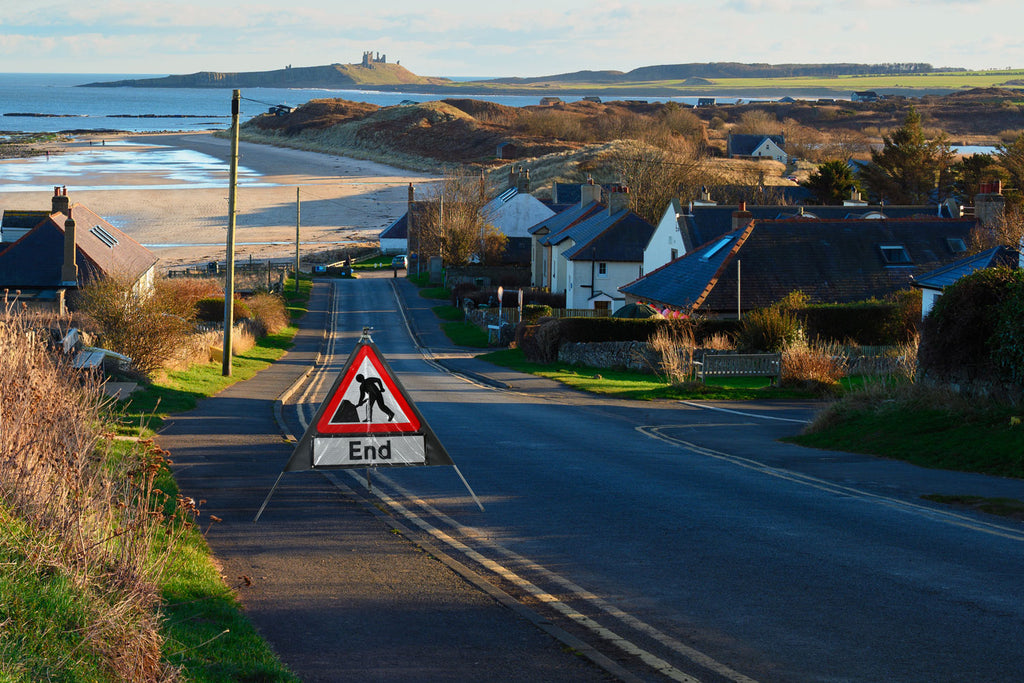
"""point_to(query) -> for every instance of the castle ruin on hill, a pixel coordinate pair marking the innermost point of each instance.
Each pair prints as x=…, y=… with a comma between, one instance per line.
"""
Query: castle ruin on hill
x=369, y=60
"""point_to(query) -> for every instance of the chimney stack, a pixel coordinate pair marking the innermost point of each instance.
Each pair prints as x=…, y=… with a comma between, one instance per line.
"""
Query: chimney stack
x=523, y=181
x=69, y=271
x=61, y=203
x=741, y=217
x=618, y=199
x=989, y=203
x=589, y=192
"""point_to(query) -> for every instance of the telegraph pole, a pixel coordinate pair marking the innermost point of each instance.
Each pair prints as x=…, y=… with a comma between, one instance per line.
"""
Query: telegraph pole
x=229, y=280
x=297, y=214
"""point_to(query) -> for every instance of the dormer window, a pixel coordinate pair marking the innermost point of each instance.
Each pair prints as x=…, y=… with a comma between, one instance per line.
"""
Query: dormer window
x=895, y=255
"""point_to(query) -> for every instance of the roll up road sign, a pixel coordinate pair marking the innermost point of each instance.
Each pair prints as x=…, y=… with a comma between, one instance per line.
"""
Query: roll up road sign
x=367, y=421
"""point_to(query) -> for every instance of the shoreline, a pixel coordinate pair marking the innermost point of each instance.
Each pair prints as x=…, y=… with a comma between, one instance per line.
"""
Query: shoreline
x=335, y=199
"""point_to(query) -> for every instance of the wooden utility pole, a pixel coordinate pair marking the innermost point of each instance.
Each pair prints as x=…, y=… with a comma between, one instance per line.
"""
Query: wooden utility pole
x=229, y=280
x=297, y=214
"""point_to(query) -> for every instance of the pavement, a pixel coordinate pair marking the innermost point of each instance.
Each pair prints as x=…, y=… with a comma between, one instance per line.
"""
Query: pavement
x=339, y=591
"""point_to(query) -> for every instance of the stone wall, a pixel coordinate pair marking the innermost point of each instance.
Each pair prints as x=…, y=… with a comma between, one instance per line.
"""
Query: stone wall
x=631, y=355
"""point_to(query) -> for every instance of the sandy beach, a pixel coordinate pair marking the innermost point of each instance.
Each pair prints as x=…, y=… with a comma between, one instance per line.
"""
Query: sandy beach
x=158, y=190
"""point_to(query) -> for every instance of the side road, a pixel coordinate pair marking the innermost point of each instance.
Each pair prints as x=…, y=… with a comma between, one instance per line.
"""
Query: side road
x=337, y=593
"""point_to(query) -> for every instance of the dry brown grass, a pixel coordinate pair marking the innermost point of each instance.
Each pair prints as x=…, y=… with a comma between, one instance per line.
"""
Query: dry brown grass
x=675, y=348
x=269, y=311
x=810, y=363
x=82, y=513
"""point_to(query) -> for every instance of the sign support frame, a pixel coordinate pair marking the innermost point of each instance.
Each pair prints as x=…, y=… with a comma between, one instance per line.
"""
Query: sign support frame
x=303, y=456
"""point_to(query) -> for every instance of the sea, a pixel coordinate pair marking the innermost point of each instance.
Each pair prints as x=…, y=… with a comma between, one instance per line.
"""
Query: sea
x=53, y=103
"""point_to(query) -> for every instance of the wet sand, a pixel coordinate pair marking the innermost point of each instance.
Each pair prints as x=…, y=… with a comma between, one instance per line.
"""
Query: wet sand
x=340, y=199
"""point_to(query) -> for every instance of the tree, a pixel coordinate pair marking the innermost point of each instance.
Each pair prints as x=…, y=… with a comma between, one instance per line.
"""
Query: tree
x=970, y=172
x=450, y=223
x=908, y=168
x=831, y=183
x=1010, y=159
x=654, y=175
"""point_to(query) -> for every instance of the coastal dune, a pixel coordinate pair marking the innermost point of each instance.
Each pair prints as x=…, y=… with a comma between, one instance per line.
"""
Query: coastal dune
x=155, y=189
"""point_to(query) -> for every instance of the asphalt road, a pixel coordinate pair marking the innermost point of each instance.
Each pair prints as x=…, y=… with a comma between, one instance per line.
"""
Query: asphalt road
x=679, y=541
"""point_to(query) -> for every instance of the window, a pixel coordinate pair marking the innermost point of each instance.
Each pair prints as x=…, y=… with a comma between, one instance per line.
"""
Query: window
x=715, y=249
x=103, y=236
x=956, y=245
x=602, y=269
x=675, y=255
x=895, y=255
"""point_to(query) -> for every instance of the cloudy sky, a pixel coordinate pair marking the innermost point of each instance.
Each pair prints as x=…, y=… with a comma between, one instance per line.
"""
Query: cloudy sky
x=480, y=38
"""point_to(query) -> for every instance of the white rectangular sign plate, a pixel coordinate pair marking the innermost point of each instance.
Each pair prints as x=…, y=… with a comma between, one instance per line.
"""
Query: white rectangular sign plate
x=369, y=451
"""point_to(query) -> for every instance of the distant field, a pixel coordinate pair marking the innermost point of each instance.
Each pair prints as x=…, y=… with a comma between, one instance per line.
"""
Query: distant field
x=840, y=85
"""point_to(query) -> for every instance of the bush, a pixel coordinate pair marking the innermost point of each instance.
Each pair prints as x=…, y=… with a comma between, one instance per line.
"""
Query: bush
x=869, y=323
x=147, y=327
x=813, y=365
x=211, y=309
x=269, y=312
x=959, y=335
x=534, y=312
x=767, y=329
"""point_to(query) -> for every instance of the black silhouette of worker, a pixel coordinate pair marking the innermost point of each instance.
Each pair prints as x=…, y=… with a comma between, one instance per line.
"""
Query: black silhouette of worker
x=371, y=391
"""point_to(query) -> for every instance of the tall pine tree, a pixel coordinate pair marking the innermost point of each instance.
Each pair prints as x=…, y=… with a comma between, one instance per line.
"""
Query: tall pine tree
x=908, y=169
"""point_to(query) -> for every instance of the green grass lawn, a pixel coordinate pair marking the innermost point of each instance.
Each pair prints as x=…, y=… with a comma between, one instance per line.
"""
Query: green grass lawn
x=984, y=439
x=641, y=386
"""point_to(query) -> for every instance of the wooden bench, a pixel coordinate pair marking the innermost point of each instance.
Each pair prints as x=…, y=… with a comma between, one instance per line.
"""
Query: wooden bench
x=740, y=365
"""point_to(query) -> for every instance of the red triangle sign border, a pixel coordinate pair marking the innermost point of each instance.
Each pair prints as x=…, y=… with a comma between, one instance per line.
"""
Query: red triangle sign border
x=324, y=424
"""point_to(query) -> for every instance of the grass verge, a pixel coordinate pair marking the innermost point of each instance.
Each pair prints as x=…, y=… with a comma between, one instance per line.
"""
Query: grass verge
x=640, y=386
x=927, y=427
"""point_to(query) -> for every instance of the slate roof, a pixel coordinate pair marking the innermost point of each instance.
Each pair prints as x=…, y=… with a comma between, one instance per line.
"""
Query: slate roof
x=558, y=223
x=602, y=237
x=833, y=261
x=947, y=275
x=744, y=145
x=705, y=223
x=399, y=228
x=35, y=261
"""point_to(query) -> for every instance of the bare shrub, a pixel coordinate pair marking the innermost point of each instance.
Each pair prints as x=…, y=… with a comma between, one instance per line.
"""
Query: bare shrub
x=269, y=311
x=674, y=346
x=82, y=514
x=148, y=327
x=190, y=290
x=812, y=364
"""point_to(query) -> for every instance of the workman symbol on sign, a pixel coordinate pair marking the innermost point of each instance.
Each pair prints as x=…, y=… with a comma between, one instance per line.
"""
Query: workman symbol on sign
x=371, y=391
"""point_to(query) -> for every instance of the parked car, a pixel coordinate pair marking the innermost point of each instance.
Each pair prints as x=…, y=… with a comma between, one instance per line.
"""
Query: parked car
x=401, y=261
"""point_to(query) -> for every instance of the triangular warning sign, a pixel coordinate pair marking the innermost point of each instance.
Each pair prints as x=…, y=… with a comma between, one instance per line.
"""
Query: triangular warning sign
x=366, y=399
x=367, y=420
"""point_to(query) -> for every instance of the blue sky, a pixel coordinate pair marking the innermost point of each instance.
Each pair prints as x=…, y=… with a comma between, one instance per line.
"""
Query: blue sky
x=479, y=38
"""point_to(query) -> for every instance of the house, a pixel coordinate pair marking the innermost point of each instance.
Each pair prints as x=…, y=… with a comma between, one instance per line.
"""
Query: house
x=512, y=212
x=543, y=266
x=864, y=96
x=686, y=226
x=394, y=239
x=44, y=255
x=706, y=101
x=831, y=260
x=933, y=283
x=589, y=250
x=757, y=147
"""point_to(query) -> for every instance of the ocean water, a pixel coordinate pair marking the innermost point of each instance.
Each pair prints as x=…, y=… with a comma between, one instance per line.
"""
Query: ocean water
x=51, y=103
